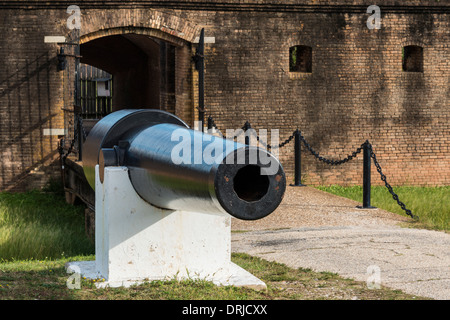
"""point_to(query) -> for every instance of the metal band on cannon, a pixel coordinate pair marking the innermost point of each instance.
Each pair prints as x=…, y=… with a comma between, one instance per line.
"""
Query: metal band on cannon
x=217, y=175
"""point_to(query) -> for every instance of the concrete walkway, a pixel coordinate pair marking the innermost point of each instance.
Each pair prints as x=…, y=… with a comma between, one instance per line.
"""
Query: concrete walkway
x=317, y=230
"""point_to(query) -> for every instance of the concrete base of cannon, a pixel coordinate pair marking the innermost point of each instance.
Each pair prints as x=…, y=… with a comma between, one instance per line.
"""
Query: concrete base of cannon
x=136, y=242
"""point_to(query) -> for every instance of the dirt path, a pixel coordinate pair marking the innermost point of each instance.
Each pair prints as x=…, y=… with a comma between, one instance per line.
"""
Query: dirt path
x=324, y=232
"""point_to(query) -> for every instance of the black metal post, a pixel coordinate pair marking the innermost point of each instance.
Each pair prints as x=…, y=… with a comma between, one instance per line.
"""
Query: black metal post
x=210, y=124
x=200, y=66
x=366, y=176
x=247, y=126
x=298, y=160
x=77, y=107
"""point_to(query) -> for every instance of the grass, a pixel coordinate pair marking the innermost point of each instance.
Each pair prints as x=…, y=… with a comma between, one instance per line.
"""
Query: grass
x=46, y=280
x=39, y=233
x=430, y=204
x=40, y=225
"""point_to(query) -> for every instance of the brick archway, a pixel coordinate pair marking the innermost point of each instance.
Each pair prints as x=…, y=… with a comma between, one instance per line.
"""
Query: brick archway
x=153, y=23
x=169, y=32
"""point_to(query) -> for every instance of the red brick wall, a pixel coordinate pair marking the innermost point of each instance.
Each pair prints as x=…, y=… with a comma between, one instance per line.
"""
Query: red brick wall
x=30, y=100
x=356, y=91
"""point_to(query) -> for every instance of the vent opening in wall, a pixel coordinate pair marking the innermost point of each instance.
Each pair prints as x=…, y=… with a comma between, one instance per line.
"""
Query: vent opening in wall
x=412, y=59
x=300, y=59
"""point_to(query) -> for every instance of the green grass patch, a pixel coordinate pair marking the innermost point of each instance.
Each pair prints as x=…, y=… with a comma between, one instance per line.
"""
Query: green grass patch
x=40, y=233
x=40, y=225
x=430, y=204
x=46, y=280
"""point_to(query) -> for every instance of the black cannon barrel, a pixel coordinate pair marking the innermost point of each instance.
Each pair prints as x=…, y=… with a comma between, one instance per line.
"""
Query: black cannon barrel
x=174, y=167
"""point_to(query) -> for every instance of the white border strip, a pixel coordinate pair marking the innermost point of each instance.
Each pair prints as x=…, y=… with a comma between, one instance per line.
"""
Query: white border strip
x=54, y=39
x=207, y=40
x=54, y=132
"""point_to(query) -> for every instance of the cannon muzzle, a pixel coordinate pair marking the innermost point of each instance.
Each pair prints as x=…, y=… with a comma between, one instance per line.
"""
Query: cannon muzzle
x=174, y=167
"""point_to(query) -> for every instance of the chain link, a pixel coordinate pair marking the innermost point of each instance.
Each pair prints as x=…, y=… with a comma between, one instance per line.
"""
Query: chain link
x=247, y=126
x=215, y=127
x=333, y=162
x=69, y=151
x=328, y=161
x=244, y=127
x=268, y=146
x=388, y=186
x=72, y=143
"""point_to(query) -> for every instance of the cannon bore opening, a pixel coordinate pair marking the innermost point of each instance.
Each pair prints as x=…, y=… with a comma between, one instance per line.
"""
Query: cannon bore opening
x=249, y=184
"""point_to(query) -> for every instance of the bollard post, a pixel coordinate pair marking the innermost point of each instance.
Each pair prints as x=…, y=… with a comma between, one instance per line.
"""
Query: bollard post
x=247, y=126
x=200, y=66
x=366, y=176
x=210, y=124
x=298, y=160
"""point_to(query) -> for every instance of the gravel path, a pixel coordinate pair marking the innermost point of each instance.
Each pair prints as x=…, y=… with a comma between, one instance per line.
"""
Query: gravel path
x=324, y=232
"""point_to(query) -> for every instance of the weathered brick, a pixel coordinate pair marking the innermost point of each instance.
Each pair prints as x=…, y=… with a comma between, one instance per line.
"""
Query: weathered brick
x=356, y=91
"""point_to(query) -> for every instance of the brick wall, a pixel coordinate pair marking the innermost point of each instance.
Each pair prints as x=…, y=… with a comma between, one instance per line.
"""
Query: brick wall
x=31, y=100
x=356, y=90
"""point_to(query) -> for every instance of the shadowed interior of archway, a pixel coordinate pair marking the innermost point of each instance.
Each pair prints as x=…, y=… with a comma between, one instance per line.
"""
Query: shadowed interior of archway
x=143, y=69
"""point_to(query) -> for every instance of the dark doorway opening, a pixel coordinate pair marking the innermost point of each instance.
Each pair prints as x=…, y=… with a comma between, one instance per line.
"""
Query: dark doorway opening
x=142, y=68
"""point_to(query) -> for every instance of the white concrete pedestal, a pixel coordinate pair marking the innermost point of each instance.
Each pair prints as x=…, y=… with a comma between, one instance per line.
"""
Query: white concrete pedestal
x=137, y=242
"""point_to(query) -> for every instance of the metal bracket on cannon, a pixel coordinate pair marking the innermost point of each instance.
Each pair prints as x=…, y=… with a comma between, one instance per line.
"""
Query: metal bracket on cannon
x=112, y=157
x=156, y=219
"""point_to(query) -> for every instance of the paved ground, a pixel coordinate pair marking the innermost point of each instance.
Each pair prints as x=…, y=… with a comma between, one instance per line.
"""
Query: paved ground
x=317, y=230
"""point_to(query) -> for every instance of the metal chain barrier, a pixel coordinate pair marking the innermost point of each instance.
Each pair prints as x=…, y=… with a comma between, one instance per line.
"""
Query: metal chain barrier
x=332, y=162
x=212, y=124
x=300, y=138
x=72, y=143
x=388, y=186
x=268, y=146
x=69, y=151
x=246, y=127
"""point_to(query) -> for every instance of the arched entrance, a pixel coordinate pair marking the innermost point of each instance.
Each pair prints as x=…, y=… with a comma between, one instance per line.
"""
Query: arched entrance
x=143, y=69
x=146, y=70
x=148, y=52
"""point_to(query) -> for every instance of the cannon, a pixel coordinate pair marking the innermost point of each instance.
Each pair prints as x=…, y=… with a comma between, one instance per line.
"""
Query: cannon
x=174, y=167
x=164, y=198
